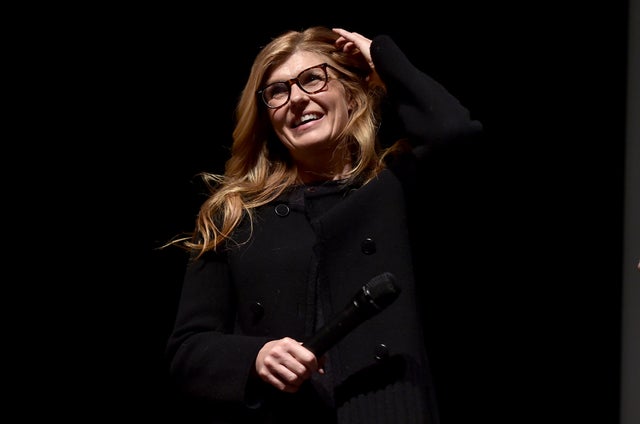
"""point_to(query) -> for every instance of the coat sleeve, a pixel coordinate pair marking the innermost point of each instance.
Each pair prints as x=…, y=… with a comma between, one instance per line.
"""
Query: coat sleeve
x=426, y=112
x=205, y=359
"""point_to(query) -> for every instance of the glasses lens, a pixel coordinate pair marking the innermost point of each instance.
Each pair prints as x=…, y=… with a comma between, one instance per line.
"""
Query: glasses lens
x=313, y=80
x=276, y=94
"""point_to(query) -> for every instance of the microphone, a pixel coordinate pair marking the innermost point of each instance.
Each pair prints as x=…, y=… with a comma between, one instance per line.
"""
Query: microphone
x=372, y=298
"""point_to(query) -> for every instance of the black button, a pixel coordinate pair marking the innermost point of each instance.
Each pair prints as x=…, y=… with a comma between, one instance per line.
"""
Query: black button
x=381, y=352
x=257, y=310
x=368, y=246
x=282, y=210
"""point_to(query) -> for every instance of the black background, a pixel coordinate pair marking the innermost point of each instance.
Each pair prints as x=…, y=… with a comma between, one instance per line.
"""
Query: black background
x=524, y=255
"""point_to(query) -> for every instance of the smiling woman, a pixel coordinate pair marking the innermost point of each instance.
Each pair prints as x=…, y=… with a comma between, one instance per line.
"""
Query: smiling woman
x=312, y=204
x=310, y=123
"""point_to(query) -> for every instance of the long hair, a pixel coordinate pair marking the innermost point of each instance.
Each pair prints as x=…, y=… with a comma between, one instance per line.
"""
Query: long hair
x=260, y=168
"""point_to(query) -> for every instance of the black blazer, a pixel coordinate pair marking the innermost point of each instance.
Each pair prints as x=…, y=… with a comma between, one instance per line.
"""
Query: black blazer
x=308, y=254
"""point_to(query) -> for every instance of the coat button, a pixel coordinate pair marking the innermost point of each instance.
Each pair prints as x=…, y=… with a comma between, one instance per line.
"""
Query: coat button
x=381, y=352
x=282, y=210
x=257, y=310
x=368, y=246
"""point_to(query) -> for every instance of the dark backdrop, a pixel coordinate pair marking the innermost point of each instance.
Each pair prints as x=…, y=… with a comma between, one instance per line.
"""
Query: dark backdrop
x=524, y=255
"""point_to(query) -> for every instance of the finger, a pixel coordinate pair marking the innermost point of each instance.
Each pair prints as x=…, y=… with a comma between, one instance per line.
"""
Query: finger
x=341, y=31
x=344, y=44
x=283, y=384
x=278, y=375
x=288, y=380
x=295, y=362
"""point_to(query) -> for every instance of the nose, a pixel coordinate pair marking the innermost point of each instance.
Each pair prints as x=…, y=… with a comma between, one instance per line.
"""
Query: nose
x=297, y=94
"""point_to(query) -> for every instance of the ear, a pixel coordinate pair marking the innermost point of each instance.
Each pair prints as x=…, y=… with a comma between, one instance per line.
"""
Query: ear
x=352, y=104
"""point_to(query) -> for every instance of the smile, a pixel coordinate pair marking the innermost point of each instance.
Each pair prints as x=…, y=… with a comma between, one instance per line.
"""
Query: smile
x=306, y=118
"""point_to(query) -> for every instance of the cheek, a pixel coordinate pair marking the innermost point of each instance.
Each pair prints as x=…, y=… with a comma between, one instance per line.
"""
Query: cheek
x=277, y=119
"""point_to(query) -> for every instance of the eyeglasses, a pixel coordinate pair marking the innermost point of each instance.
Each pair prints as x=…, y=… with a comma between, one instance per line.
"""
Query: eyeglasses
x=311, y=81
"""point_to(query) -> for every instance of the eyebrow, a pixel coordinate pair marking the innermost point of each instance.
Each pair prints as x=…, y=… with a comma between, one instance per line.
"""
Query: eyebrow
x=270, y=81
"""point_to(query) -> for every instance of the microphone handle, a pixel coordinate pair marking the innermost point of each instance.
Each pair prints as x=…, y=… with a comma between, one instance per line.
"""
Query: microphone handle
x=332, y=332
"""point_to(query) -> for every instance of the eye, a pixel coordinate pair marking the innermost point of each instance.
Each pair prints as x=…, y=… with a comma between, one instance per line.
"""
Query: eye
x=312, y=76
x=277, y=90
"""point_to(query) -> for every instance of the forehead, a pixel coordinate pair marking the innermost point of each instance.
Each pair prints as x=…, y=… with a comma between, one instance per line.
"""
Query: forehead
x=295, y=64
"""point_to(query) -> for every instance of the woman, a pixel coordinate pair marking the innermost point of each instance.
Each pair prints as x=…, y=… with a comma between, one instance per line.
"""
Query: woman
x=311, y=206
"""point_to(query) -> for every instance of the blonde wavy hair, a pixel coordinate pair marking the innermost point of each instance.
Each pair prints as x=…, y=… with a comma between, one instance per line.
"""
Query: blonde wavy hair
x=260, y=168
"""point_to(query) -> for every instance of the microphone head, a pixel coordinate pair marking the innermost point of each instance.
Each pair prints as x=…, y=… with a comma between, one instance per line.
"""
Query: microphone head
x=381, y=291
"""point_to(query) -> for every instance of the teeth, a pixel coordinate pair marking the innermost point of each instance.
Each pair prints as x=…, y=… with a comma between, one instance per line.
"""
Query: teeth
x=308, y=117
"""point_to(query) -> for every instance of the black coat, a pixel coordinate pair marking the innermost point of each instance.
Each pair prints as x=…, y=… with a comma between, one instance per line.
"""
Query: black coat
x=327, y=239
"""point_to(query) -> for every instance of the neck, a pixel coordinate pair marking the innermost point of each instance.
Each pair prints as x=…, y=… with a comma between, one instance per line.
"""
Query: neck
x=333, y=165
x=313, y=175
